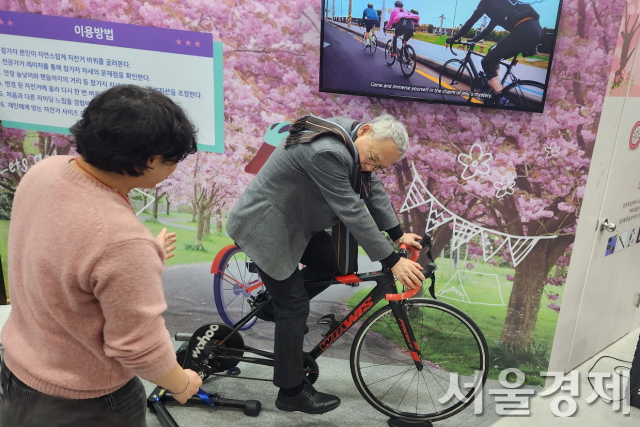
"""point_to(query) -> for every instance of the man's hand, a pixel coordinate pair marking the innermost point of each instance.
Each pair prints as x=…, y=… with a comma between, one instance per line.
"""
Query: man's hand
x=408, y=273
x=167, y=241
x=410, y=239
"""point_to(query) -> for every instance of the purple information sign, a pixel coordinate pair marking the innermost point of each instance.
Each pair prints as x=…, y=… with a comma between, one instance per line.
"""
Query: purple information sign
x=107, y=33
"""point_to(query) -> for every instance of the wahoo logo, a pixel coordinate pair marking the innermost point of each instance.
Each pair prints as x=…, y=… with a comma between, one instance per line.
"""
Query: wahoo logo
x=203, y=340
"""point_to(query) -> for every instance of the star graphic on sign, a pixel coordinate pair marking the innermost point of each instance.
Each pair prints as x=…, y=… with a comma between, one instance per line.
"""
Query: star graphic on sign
x=188, y=43
x=10, y=23
x=197, y=44
x=1, y=22
x=179, y=41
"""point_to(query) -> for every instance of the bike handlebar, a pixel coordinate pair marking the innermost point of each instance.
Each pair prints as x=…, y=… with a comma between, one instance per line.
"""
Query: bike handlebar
x=470, y=44
x=413, y=254
x=411, y=292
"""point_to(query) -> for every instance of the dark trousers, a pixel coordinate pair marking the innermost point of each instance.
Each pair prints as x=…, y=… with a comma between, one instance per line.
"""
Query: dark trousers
x=525, y=36
x=25, y=407
x=291, y=307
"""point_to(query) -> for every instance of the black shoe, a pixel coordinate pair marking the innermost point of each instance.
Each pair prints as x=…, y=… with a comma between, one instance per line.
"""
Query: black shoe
x=308, y=401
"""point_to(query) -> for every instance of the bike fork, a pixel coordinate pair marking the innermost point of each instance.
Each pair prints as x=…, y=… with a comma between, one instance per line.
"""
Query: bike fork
x=407, y=332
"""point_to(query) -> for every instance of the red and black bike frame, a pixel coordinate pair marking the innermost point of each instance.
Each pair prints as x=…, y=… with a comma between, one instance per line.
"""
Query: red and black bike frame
x=385, y=289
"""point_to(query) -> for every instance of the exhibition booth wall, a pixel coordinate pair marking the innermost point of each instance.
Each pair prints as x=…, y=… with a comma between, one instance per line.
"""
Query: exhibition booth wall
x=501, y=191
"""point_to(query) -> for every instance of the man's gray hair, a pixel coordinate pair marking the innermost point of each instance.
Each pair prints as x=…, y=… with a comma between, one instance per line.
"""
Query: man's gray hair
x=387, y=127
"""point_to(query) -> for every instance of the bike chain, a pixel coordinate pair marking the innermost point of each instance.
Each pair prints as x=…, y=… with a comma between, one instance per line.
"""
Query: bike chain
x=259, y=353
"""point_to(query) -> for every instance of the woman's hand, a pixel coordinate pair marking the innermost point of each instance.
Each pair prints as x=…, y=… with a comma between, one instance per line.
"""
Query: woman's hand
x=194, y=383
x=167, y=241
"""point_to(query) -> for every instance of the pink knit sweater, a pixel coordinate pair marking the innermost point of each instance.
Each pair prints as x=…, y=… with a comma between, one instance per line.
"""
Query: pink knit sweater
x=85, y=285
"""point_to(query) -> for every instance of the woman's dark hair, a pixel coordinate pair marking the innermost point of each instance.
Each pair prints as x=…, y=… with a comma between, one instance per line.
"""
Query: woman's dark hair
x=399, y=4
x=125, y=126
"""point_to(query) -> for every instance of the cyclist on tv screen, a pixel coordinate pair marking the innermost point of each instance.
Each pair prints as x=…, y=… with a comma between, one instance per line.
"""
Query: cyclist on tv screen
x=370, y=18
x=325, y=172
x=403, y=22
x=525, y=33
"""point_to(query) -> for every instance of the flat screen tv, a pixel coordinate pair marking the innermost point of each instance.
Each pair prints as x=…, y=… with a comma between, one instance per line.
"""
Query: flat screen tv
x=501, y=56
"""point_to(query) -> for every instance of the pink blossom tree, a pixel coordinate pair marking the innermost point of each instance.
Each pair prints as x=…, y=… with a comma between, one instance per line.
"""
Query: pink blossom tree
x=271, y=70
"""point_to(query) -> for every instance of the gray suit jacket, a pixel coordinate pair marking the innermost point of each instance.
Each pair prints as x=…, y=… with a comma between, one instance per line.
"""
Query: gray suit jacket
x=300, y=191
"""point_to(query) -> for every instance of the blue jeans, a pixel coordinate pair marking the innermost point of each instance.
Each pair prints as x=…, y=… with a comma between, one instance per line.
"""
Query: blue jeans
x=123, y=407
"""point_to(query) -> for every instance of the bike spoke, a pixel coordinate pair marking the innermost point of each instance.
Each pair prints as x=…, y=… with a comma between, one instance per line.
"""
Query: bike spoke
x=407, y=362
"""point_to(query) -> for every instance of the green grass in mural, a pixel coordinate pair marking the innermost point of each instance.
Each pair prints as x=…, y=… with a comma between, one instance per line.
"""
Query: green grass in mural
x=187, y=238
x=483, y=288
x=212, y=244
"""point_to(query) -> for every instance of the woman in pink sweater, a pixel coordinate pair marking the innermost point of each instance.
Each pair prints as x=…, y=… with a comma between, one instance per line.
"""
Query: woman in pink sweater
x=85, y=274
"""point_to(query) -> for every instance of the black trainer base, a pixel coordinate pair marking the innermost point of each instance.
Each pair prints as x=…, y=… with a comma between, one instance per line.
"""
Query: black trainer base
x=159, y=397
x=398, y=422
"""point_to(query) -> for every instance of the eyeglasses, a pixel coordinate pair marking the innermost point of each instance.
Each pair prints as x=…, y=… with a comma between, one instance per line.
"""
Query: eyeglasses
x=376, y=167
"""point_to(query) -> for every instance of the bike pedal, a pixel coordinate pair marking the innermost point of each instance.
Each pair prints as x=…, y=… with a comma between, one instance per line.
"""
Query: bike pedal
x=259, y=298
x=330, y=320
x=251, y=267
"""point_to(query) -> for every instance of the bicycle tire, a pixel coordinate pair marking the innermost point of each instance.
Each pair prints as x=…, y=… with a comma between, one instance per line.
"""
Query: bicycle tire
x=374, y=45
x=232, y=277
x=451, y=79
x=408, y=60
x=449, y=331
x=525, y=94
x=388, y=50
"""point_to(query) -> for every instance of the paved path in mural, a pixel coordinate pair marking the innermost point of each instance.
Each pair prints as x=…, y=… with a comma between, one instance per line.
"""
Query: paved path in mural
x=171, y=222
x=189, y=293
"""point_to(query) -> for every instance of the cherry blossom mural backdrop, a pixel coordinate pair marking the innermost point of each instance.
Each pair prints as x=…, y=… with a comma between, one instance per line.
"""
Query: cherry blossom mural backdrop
x=500, y=191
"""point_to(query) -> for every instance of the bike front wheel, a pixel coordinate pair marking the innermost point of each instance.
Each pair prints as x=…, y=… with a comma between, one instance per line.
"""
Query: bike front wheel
x=388, y=50
x=235, y=280
x=526, y=94
x=374, y=45
x=456, y=75
x=408, y=61
x=453, y=353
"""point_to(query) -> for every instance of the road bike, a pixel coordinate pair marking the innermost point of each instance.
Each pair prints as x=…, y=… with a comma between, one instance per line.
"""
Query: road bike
x=405, y=55
x=405, y=358
x=462, y=75
x=235, y=280
x=371, y=43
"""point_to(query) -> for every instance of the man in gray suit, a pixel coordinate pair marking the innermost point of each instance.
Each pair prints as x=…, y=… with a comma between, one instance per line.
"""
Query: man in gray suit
x=321, y=175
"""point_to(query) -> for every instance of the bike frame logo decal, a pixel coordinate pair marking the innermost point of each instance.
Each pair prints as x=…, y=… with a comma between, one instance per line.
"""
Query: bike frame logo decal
x=346, y=323
x=406, y=334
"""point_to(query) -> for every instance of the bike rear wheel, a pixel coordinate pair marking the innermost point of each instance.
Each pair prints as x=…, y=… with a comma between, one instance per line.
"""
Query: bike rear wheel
x=235, y=280
x=388, y=50
x=455, y=75
x=374, y=45
x=525, y=94
x=408, y=61
x=450, y=343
